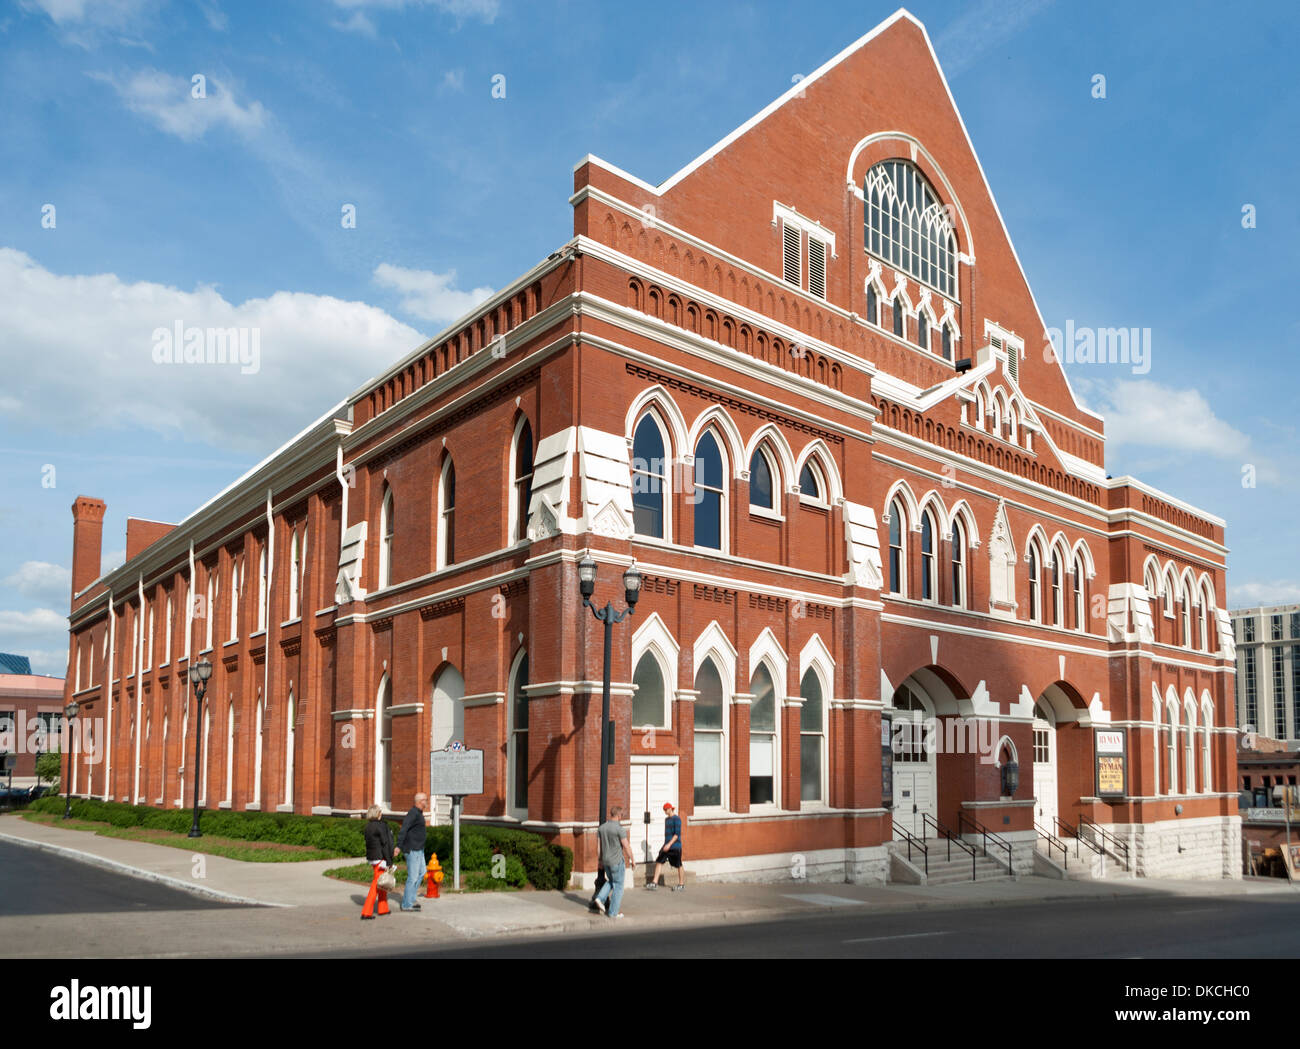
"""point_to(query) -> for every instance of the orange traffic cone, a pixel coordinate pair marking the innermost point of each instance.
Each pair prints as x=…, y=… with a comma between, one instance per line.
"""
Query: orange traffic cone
x=434, y=877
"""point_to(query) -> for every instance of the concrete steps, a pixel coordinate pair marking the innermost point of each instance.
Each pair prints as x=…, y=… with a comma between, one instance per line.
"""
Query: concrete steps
x=942, y=871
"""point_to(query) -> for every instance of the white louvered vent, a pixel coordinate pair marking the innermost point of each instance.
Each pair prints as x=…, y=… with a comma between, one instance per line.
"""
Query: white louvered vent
x=793, y=269
x=817, y=267
x=1013, y=363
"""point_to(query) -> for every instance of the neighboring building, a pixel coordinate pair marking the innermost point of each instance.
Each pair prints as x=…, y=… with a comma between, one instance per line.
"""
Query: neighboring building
x=857, y=488
x=27, y=699
x=1268, y=671
x=1263, y=765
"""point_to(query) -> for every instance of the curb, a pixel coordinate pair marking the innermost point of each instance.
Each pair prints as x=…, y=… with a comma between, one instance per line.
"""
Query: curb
x=137, y=872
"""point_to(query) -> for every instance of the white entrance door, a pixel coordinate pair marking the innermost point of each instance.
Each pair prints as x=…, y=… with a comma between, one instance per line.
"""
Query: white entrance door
x=913, y=798
x=651, y=786
x=914, y=771
x=1045, y=801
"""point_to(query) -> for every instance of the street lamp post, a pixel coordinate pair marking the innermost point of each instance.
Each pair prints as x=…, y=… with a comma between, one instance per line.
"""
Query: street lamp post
x=71, y=711
x=199, y=674
x=608, y=616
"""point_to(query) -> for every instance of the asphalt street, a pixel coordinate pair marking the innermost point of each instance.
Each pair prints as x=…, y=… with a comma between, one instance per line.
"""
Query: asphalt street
x=1178, y=927
x=34, y=882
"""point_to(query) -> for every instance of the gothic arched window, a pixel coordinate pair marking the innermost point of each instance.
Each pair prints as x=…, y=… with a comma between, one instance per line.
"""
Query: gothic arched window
x=908, y=227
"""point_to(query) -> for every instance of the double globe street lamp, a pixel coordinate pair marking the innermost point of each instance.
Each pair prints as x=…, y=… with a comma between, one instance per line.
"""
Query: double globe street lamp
x=608, y=616
x=199, y=674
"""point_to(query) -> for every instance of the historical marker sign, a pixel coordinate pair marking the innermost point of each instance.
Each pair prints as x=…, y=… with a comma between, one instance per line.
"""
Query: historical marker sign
x=456, y=772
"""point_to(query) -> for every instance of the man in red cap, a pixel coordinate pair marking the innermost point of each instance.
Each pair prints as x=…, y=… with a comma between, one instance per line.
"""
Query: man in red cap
x=672, y=850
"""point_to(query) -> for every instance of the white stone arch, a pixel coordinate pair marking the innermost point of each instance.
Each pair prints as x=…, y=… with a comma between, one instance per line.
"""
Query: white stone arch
x=713, y=642
x=447, y=709
x=733, y=447
x=1013, y=420
x=961, y=511
x=911, y=510
x=1169, y=588
x=653, y=638
x=767, y=649
x=965, y=239
x=876, y=280
x=815, y=656
x=923, y=306
x=1010, y=744
x=1082, y=550
x=823, y=460
x=933, y=502
x=775, y=440
x=658, y=400
x=1157, y=718
x=1151, y=576
x=983, y=404
x=1173, y=721
x=1205, y=612
x=1189, y=745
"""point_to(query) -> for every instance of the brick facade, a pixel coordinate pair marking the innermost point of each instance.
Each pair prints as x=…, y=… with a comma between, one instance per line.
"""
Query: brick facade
x=671, y=300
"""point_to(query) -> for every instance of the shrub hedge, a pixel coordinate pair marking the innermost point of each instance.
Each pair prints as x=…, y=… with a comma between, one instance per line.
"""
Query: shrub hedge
x=528, y=857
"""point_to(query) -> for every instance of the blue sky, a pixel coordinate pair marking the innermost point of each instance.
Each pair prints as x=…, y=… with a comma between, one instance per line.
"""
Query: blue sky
x=226, y=210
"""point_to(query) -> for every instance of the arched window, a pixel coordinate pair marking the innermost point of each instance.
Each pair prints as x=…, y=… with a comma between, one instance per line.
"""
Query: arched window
x=958, y=565
x=257, y=755
x=386, y=528
x=810, y=486
x=210, y=614
x=709, y=493
x=873, y=305
x=447, y=515
x=261, y=589
x=1080, y=597
x=448, y=720
x=895, y=548
x=148, y=648
x=518, y=757
x=295, y=568
x=947, y=342
x=760, y=481
x=1204, y=609
x=1035, y=603
x=290, y=727
x=1189, y=757
x=928, y=579
x=763, y=759
x=649, y=479
x=1185, y=607
x=206, y=760
x=709, y=736
x=649, y=708
x=523, y=487
x=908, y=227
x=1207, y=783
x=230, y=751
x=923, y=331
x=898, y=317
x=384, y=744
x=1058, y=610
x=812, y=738
x=234, y=600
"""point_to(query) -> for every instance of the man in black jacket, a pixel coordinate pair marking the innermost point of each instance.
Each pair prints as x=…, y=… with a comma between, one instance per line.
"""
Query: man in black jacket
x=410, y=840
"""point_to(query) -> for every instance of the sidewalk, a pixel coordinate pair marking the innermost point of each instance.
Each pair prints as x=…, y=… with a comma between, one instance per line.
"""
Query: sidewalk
x=303, y=911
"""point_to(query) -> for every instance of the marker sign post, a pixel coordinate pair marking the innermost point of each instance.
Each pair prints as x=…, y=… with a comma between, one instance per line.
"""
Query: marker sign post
x=457, y=772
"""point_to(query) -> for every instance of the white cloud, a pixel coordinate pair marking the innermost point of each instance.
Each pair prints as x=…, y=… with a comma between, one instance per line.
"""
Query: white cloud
x=167, y=101
x=1143, y=413
x=87, y=22
x=216, y=18
x=428, y=295
x=358, y=23
x=454, y=80
x=962, y=42
x=111, y=559
x=41, y=581
x=1251, y=595
x=79, y=353
x=39, y=622
x=485, y=10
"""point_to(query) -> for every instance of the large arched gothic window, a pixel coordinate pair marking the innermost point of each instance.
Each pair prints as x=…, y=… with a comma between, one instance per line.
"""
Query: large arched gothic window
x=386, y=528
x=760, y=481
x=523, y=486
x=519, y=739
x=763, y=760
x=648, y=706
x=908, y=227
x=709, y=481
x=1057, y=606
x=1080, y=597
x=958, y=566
x=928, y=578
x=895, y=548
x=447, y=515
x=649, y=479
x=710, y=732
x=1035, y=599
x=812, y=738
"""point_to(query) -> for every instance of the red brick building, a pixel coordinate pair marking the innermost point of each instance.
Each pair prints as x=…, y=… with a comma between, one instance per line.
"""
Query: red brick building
x=803, y=385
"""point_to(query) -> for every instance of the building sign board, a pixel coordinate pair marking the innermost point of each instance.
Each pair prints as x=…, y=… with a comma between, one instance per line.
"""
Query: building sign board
x=1112, y=765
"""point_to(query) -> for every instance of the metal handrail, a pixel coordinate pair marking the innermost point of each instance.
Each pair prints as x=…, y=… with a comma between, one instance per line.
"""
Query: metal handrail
x=921, y=845
x=987, y=835
x=1052, y=839
x=1069, y=831
x=1108, y=840
x=940, y=831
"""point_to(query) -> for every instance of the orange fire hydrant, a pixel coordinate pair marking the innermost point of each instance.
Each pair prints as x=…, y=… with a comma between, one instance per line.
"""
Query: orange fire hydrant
x=434, y=877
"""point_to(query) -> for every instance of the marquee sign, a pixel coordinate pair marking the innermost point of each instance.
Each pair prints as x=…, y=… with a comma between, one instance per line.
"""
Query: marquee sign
x=1112, y=763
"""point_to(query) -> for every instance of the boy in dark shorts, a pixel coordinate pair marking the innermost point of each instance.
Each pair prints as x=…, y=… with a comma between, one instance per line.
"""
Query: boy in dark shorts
x=672, y=850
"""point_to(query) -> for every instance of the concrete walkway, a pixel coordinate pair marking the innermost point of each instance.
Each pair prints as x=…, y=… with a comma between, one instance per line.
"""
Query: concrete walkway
x=309, y=912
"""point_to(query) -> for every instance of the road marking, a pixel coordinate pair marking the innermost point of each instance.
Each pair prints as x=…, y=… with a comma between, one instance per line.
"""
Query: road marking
x=902, y=936
x=1200, y=910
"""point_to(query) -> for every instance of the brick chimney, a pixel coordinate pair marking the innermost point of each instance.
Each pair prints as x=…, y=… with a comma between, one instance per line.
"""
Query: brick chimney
x=87, y=541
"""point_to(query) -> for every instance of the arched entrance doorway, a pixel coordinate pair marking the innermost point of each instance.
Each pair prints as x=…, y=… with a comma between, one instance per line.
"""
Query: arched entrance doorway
x=1046, y=806
x=915, y=778
x=447, y=724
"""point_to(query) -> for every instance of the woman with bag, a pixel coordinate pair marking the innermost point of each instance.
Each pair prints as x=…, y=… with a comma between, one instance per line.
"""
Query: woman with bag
x=381, y=853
